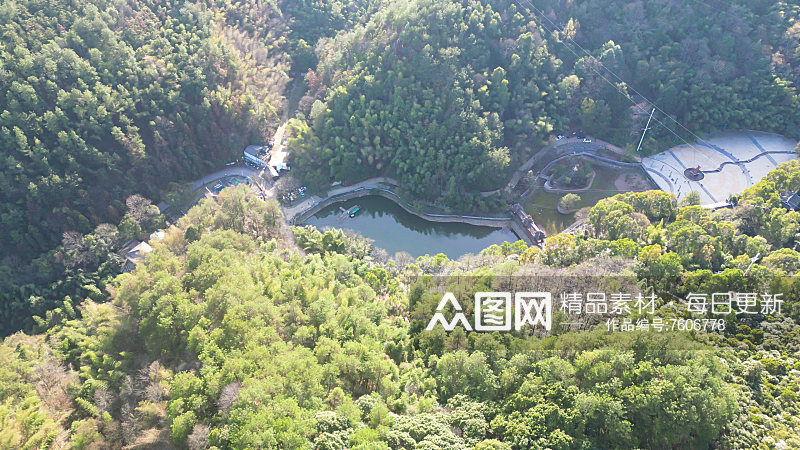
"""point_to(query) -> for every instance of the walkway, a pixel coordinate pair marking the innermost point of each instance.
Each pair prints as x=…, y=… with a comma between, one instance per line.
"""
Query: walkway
x=229, y=171
x=739, y=162
x=243, y=171
x=382, y=186
x=559, y=146
x=759, y=146
x=730, y=161
x=371, y=183
x=589, y=154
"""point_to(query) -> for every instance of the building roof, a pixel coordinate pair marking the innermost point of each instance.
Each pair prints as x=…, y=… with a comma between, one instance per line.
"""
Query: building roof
x=257, y=154
x=137, y=253
x=254, y=150
x=134, y=253
x=718, y=205
x=791, y=200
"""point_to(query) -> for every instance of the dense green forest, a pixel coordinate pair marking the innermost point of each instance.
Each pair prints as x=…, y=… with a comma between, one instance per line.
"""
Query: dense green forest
x=100, y=101
x=238, y=332
x=436, y=93
x=448, y=96
x=103, y=100
x=710, y=64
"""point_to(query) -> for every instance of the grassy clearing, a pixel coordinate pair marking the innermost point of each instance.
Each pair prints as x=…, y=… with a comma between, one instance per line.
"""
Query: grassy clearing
x=542, y=205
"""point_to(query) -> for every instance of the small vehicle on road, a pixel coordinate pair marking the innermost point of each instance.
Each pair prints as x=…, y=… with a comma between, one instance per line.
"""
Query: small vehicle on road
x=559, y=137
x=587, y=140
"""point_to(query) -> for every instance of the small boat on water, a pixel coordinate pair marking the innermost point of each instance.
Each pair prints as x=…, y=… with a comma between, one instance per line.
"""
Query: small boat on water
x=345, y=213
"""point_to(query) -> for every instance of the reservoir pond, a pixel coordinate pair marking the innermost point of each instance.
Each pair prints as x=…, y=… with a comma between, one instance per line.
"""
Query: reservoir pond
x=395, y=229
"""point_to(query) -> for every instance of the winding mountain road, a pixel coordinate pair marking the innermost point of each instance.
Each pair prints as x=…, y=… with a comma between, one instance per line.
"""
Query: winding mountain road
x=562, y=146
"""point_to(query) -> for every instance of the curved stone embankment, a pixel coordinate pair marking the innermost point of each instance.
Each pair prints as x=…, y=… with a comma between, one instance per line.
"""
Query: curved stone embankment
x=565, y=211
x=570, y=145
x=493, y=222
x=598, y=159
x=510, y=222
x=549, y=188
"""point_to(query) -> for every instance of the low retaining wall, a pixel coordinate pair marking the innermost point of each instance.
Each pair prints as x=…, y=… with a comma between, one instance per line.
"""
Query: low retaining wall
x=602, y=160
x=493, y=222
x=550, y=188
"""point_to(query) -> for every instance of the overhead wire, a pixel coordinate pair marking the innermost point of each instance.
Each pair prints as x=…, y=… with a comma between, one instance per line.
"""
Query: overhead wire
x=531, y=7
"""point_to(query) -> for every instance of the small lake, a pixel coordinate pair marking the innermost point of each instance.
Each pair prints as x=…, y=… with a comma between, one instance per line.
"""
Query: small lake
x=396, y=230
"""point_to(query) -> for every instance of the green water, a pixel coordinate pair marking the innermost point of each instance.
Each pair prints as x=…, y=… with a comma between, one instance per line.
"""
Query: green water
x=396, y=230
x=542, y=205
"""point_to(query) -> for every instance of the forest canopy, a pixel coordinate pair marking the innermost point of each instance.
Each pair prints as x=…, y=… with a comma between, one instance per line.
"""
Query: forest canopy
x=101, y=101
x=239, y=331
x=449, y=96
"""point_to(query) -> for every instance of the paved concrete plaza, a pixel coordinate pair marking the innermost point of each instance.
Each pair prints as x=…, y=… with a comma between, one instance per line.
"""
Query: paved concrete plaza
x=731, y=162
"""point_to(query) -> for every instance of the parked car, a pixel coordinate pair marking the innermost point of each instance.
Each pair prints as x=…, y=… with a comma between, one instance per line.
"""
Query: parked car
x=587, y=140
x=559, y=137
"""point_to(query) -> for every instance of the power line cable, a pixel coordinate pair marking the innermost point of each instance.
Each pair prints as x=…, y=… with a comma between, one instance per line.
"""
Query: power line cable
x=614, y=74
x=531, y=7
